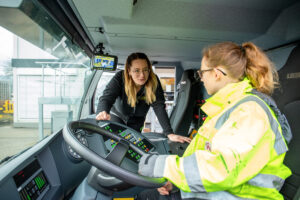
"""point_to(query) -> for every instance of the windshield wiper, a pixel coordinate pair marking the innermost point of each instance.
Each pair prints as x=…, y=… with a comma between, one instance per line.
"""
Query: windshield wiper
x=7, y=158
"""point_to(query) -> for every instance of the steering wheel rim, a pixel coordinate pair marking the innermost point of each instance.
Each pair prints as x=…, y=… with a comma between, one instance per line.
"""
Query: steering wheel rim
x=103, y=164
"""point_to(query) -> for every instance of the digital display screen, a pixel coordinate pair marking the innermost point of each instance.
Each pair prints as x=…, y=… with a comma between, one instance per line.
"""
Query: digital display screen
x=31, y=182
x=104, y=62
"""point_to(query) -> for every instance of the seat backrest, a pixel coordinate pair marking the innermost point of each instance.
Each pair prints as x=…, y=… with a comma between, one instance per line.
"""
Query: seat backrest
x=181, y=115
x=292, y=184
x=287, y=98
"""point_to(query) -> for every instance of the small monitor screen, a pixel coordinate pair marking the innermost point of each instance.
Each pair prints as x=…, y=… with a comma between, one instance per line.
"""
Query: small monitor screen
x=104, y=62
x=31, y=182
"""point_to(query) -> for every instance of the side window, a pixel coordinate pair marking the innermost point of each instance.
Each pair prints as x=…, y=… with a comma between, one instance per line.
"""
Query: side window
x=37, y=96
x=104, y=80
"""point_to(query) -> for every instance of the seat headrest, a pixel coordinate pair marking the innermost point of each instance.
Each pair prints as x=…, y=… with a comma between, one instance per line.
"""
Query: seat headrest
x=289, y=77
x=187, y=77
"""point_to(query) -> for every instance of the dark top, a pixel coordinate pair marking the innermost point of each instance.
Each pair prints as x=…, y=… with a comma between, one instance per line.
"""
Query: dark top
x=114, y=101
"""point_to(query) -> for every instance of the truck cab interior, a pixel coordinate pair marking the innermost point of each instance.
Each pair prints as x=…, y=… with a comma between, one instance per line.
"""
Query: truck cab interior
x=89, y=159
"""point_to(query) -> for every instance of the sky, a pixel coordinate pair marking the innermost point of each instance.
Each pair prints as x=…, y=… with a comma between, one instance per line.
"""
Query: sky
x=6, y=44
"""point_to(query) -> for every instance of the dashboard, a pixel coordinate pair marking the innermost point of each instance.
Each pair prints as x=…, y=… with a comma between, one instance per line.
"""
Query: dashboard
x=137, y=139
x=31, y=182
x=46, y=170
x=87, y=138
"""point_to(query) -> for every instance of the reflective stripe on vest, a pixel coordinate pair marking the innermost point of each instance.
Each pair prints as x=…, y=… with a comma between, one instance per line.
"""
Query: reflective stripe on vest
x=194, y=181
x=279, y=145
x=160, y=164
x=267, y=181
x=191, y=173
x=219, y=195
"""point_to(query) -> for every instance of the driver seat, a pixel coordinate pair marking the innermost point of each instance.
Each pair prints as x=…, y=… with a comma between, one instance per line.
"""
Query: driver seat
x=288, y=101
x=182, y=113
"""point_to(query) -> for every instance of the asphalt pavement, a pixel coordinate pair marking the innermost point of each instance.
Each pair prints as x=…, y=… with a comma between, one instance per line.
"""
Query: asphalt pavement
x=13, y=140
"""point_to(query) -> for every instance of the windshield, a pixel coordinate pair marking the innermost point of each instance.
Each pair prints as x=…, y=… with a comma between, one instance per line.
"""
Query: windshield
x=42, y=78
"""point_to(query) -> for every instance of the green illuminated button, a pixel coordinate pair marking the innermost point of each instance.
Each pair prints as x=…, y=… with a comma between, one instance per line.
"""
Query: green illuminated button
x=140, y=144
x=37, y=182
x=41, y=182
x=123, y=134
x=133, y=154
x=130, y=151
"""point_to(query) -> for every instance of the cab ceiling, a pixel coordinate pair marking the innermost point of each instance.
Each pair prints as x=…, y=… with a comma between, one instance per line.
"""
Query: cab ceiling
x=178, y=30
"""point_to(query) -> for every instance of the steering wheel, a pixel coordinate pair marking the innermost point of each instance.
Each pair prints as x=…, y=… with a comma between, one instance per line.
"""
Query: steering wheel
x=109, y=166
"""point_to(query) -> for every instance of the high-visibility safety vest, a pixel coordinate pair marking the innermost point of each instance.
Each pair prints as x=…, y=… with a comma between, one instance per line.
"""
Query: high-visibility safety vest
x=237, y=153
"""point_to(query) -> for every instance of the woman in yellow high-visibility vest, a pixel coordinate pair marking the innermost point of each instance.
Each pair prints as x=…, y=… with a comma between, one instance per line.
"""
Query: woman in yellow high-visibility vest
x=238, y=152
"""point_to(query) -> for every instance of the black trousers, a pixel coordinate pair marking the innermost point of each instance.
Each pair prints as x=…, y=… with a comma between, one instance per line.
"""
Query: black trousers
x=153, y=194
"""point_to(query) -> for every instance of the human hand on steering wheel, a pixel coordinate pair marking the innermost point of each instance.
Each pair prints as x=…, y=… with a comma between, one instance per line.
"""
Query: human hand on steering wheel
x=178, y=138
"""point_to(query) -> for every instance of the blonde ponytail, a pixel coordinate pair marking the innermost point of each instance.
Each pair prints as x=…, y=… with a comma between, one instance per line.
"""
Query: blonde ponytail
x=246, y=60
x=259, y=69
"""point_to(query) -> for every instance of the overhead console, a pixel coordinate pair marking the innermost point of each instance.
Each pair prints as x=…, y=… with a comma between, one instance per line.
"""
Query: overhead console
x=31, y=182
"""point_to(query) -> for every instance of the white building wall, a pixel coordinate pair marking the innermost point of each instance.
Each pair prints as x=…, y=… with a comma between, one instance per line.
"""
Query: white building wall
x=28, y=84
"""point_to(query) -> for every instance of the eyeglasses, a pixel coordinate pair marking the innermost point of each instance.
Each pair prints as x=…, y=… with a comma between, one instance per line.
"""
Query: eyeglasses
x=200, y=72
x=137, y=71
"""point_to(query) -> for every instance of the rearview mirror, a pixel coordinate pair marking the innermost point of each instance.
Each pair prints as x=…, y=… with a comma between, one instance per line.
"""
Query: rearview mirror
x=104, y=62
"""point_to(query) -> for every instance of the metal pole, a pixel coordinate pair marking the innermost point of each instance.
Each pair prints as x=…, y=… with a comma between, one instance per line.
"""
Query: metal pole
x=41, y=110
x=41, y=38
x=60, y=88
x=54, y=81
x=43, y=80
x=41, y=121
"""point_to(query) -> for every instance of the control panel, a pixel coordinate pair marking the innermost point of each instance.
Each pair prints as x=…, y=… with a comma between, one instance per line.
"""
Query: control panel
x=31, y=182
x=72, y=154
x=130, y=135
